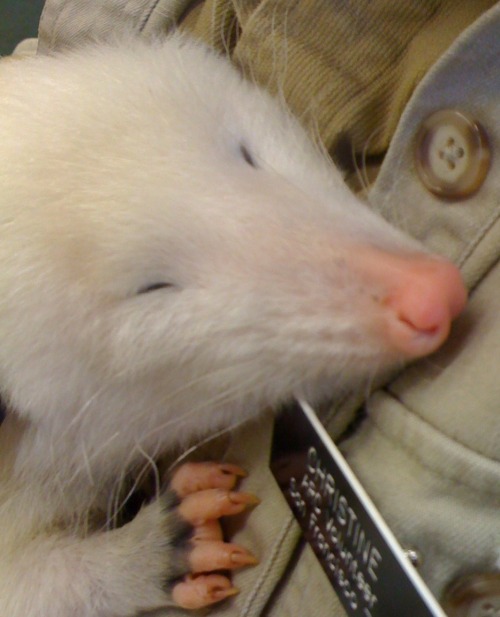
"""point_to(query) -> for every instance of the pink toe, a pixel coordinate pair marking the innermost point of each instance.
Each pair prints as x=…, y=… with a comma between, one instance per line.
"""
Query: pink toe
x=200, y=591
x=194, y=477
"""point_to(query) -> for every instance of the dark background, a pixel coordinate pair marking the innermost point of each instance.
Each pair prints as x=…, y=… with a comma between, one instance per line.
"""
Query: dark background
x=18, y=21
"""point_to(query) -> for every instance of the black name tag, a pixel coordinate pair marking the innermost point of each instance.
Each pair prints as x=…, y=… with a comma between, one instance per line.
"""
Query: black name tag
x=363, y=560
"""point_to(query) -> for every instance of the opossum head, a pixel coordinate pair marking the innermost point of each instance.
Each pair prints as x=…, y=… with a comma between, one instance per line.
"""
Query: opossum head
x=173, y=246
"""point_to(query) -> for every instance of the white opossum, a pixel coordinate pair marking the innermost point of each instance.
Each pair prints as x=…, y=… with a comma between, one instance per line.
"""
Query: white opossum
x=176, y=255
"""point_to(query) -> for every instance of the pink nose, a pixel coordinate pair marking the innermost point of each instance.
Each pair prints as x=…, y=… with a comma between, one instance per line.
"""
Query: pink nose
x=423, y=296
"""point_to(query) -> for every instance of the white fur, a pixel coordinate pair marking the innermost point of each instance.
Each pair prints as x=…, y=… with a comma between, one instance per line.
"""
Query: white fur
x=121, y=167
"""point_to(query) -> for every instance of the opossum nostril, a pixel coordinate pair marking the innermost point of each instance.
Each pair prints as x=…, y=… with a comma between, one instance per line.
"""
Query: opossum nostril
x=431, y=331
x=429, y=295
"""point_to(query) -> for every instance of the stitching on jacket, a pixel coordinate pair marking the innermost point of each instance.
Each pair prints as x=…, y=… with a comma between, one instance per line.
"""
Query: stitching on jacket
x=276, y=550
x=480, y=235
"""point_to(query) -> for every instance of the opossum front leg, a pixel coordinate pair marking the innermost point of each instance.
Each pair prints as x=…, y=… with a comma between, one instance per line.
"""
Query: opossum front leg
x=169, y=553
x=206, y=494
x=174, y=547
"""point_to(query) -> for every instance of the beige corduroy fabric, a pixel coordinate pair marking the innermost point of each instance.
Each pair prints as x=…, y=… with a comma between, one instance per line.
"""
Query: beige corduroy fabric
x=348, y=69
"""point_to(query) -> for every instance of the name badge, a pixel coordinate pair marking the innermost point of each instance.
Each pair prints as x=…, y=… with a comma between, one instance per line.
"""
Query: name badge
x=364, y=562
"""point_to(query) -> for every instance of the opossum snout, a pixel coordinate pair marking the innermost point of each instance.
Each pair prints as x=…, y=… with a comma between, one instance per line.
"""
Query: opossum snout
x=422, y=295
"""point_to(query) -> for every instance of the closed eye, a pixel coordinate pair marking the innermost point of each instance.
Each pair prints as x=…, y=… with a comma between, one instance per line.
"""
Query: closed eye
x=245, y=153
x=154, y=287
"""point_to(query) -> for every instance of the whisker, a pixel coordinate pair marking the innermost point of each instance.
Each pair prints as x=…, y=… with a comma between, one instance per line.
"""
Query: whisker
x=239, y=390
x=361, y=168
x=187, y=453
x=94, y=455
x=154, y=468
x=119, y=501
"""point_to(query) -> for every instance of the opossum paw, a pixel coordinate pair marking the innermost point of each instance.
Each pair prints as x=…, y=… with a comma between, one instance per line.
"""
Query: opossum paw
x=200, y=591
x=206, y=494
x=195, y=477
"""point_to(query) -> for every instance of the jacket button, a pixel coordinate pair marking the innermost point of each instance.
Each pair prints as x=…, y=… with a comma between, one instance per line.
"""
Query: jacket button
x=452, y=154
x=477, y=595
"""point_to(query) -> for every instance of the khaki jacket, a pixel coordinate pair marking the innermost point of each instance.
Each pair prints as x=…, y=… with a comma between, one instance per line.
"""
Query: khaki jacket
x=429, y=451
